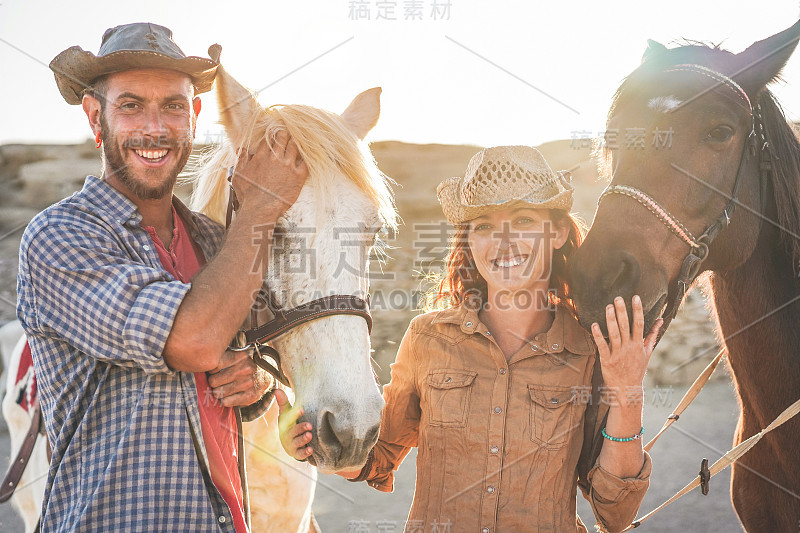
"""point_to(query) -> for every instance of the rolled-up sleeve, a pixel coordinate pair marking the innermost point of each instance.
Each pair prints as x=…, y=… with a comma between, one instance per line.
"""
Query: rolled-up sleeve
x=400, y=421
x=616, y=500
x=82, y=286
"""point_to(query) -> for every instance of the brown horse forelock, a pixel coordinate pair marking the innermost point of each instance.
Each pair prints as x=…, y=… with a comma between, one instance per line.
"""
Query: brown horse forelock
x=643, y=248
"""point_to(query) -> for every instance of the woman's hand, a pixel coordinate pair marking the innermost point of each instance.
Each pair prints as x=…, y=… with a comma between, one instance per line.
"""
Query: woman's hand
x=294, y=437
x=624, y=358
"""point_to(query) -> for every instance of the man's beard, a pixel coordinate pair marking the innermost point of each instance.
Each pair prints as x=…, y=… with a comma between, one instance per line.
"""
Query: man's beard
x=115, y=161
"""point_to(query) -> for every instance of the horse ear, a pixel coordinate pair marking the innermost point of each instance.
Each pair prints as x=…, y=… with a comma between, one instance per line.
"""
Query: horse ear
x=363, y=112
x=763, y=61
x=238, y=108
x=653, y=49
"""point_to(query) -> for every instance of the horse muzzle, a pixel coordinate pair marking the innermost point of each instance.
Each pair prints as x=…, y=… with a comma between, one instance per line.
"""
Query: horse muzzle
x=598, y=278
x=342, y=438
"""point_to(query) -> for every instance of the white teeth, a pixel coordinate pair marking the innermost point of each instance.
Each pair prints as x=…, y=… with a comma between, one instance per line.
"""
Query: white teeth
x=512, y=262
x=150, y=154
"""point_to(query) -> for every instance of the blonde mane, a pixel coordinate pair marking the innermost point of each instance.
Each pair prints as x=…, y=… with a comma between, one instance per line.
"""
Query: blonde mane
x=327, y=146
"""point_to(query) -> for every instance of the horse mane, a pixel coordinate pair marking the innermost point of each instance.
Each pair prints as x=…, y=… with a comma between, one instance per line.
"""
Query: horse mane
x=785, y=176
x=328, y=148
x=782, y=136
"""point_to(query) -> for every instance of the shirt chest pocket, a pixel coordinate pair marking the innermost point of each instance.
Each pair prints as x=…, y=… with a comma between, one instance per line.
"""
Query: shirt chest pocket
x=552, y=415
x=448, y=397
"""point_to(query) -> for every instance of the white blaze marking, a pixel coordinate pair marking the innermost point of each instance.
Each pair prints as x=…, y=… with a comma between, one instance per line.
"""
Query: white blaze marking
x=663, y=104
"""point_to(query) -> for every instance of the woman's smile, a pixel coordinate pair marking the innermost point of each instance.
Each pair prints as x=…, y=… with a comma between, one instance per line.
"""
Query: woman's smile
x=510, y=262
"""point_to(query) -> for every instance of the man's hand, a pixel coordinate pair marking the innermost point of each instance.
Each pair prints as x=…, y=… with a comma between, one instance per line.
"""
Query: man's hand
x=222, y=292
x=237, y=381
x=272, y=177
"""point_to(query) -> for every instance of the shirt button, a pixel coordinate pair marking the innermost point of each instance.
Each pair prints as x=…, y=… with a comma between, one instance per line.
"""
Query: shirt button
x=494, y=449
x=146, y=247
x=502, y=370
x=488, y=333
x=469, y=324
x=490, y=489
x=534, y=347
x=485, y=530
x=554, y=347
x=498, y=410
x=222, y=519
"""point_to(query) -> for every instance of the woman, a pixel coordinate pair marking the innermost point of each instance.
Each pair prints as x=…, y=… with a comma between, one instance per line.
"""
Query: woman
x=495, y=386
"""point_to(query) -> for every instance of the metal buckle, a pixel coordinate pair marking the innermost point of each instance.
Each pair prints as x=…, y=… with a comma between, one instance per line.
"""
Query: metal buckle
x=239, y=342
x=274, y=369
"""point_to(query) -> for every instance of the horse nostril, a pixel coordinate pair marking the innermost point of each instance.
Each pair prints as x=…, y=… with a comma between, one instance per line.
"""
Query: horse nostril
x=372, y=435
x=628, y=275
x=331, y=434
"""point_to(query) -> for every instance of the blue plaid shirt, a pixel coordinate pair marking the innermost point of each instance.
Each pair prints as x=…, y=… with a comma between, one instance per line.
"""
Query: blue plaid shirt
x=97, y=307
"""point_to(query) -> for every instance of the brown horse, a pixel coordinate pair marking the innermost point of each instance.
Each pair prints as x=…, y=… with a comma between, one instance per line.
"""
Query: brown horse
x=698, y=136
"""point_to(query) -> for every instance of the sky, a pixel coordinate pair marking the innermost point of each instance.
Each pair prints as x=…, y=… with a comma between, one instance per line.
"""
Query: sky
x=452, y=71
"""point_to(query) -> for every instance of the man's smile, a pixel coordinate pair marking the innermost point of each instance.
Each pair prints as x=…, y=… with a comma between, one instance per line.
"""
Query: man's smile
x=152, y=157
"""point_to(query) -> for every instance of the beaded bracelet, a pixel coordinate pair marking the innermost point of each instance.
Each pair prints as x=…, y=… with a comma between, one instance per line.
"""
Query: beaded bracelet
x=617, y=439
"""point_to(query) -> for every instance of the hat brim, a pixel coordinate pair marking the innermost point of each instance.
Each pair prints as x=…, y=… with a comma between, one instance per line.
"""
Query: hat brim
x=75, y=69
x=457, y=213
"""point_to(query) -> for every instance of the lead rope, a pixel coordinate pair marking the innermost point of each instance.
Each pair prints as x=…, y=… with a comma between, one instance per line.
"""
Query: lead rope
x=689, y=397
x=725, y=461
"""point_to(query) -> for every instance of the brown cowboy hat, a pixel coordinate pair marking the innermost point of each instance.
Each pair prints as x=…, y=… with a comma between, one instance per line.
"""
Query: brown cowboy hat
x=131, y=46
x=503, y=177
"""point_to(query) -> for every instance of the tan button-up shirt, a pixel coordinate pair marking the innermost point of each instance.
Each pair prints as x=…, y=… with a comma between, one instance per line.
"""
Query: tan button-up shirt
x=498, y=441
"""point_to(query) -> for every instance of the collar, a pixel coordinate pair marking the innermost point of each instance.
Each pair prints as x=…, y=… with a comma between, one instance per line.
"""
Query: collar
x=109, y=201
x=118, y=207
x=188, y=217
x=565, y=332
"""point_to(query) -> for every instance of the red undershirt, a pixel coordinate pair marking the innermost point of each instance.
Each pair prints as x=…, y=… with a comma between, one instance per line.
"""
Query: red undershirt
x=218, y=422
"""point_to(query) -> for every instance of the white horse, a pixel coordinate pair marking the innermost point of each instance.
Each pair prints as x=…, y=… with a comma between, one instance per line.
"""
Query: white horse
x=27, y=499
x=321, y=248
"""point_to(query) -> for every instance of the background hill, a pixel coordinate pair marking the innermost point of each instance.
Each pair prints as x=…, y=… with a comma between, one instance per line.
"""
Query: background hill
x=35, y=176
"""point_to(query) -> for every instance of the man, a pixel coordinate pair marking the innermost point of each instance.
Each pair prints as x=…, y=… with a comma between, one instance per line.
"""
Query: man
x=140, y=397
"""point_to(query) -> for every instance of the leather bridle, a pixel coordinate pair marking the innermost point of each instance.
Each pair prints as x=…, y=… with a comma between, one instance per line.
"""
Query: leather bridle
x=699, y=246
x=258, y=337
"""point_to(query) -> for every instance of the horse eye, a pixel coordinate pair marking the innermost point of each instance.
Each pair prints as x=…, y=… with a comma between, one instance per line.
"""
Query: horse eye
x=720, y=134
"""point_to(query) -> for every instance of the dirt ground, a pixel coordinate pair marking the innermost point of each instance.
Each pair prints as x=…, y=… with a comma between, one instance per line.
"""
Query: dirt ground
x=705, y=430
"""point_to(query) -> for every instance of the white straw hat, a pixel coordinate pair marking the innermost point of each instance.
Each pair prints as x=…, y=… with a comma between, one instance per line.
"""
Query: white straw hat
x=501, y=177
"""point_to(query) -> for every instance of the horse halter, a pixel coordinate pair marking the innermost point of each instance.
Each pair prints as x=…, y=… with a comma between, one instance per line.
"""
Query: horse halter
x=258, y=337
x=699, y=246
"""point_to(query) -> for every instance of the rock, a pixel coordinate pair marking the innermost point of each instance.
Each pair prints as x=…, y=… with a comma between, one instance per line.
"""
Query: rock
x=46, y=182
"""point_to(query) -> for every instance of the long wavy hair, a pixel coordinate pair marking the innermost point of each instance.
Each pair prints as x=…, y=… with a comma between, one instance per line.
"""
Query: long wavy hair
x=461, y=284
